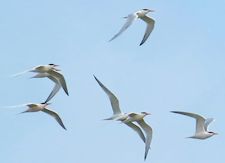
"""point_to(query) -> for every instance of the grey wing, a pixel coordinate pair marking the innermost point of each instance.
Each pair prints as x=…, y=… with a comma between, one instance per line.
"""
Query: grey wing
x=137, y=129
x=200, y=121
x=60, y=79
x=55, y=115
x=207, y=122
x=150, y=25
x=53, y=92
x=148, y=131
x=113, y=99
x=130, y=20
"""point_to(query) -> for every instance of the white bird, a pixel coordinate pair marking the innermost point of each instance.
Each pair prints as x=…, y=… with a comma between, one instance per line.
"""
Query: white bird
x=134, y=16
x=117, y=114
x=201, y=125
x=139, y=118
x=50, y=71
x=129, y=118
x=32, y=107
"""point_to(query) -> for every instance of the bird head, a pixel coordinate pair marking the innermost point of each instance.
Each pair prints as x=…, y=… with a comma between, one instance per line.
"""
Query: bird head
x=54, y=66
x=147, y=10
x=145, y=113
x=212, y=133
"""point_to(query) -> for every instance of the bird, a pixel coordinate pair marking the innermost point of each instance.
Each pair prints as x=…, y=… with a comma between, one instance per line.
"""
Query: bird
x=52, y=72
x=202, y=124
x=134, y=16
x=118, y=115
x=129, y=118
x=35, y=107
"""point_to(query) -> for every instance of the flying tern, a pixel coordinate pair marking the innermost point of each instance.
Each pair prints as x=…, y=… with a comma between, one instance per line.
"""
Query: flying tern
x=134, y=16
x=129, y=118
x=117, y=113
x=201, y=125
x=33, y=107
x=52, y=72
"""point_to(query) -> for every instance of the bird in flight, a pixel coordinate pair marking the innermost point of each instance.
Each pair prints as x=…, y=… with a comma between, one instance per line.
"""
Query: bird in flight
x=35, y=107
x=50, y=71
x=129, y=118
x=202, y=124
x=134, y=16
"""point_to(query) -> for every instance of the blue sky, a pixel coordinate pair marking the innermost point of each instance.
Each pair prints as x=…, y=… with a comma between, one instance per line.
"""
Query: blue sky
x=180, y=67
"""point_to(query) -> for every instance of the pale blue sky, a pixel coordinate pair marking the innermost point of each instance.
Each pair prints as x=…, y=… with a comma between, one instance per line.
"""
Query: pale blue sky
x=180, y=67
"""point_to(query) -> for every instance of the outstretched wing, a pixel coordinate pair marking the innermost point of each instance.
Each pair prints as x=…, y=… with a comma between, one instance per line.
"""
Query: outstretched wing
x=137, y=129
x=60, y=79
x=150, y=25
x=130, y=19
x=200, y=121
x=55, y=115
x=54, y=90
x=148, y=131
x=113, y=99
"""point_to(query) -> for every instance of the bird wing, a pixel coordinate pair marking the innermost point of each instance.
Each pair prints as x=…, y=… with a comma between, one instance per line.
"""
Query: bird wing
x=130, y=19
x=54, y=90
x=113, y=99
x=207, y=122
x=55, y=115
x=60, y=79
x=148, y=131
x=200, y=121
x=150, y=25
x=137, y=129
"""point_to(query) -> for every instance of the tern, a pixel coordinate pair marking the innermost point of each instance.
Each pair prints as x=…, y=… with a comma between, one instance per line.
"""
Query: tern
x=50, y=71
x=134, y=16
x=117, y=113
x=32, y=107
x=129, y=118
x=201, y=125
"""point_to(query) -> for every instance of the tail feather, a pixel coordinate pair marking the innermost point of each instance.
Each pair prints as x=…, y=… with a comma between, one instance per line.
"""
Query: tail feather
x=110, y=118
x=20, y=73
x=14, y=106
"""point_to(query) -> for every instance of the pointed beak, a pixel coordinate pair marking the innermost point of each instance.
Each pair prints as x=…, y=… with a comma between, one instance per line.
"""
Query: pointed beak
x=151, y=10
x=216, y=134
x=148, y=113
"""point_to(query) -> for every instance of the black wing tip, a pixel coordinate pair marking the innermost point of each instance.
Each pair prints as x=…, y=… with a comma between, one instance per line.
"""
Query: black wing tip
x=62, y=125
x=141, y=43
x=66, y=91
x=145, y=157
x=64, y=128
x=96, y=78
x=110, y=40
